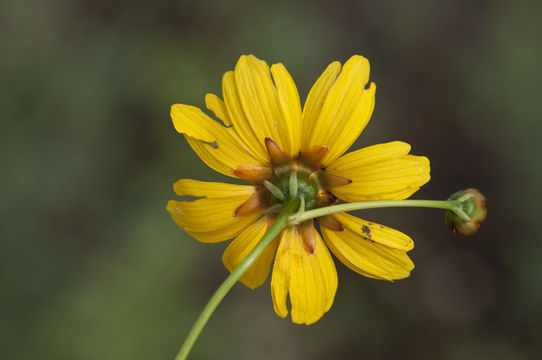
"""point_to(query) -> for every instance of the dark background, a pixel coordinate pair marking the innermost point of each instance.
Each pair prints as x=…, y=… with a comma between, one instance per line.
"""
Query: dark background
x=92, y=266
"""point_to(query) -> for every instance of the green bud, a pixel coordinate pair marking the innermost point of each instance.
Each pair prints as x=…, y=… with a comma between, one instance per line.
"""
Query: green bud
x=471, y=203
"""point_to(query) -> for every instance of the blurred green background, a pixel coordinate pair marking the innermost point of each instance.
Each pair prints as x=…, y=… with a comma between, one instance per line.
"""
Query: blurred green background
x=93, y=267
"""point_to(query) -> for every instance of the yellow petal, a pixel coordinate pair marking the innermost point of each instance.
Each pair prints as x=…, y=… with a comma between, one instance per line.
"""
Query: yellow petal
x=258, y=98
x=217, y=106
x=258, y=109
x=375, y=232
x=346, y=110
x=315, y=101
x=189, y=187
x=238, y=117
x=311, y=280
x=191, y=121
x=288, y=96
x=380, y=172
x=242, y=246
x=368, y=258
x=211, y=219
x=370, y=155
x=219, y=147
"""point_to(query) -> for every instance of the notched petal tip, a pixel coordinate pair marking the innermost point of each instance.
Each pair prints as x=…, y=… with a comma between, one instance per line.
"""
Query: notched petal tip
x=248, y=58
x=172, y=207
x=193, y=122
x=217, y=106
x=359, y=62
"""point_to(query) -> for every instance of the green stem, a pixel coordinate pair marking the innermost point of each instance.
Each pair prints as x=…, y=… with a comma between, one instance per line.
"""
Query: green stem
x=278, y=225
x=284, y=219
x=447, y=205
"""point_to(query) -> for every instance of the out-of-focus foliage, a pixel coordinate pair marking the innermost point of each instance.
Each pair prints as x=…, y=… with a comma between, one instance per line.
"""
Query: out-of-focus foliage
x=91, y=265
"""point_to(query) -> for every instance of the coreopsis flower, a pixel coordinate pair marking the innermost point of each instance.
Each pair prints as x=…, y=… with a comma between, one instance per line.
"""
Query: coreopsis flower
x=266, y=137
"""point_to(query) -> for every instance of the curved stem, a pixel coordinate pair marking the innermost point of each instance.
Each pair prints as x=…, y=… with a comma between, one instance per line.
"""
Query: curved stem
x=447, y=205
x=278, y=225
x=283, y=220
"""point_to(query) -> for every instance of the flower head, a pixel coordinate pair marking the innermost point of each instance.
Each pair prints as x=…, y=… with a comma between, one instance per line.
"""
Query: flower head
x=473, y=204
x=288, y=152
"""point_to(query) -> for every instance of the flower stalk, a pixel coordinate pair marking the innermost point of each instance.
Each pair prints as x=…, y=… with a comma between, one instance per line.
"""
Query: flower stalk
x=452, y=205
x=274, y=230
x=292, y=213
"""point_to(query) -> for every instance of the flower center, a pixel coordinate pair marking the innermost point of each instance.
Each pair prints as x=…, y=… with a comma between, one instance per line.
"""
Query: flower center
x=286, y=178
x=303, y=189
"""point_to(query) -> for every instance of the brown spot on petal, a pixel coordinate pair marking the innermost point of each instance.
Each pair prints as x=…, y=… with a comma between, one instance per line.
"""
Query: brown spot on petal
x=213, y=144
x=365, y=229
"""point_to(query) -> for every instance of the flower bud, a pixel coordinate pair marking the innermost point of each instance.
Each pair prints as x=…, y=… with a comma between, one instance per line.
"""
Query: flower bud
x=472, y=204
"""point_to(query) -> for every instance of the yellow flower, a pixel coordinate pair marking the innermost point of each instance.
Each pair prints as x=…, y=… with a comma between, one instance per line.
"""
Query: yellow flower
x=264, y=136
